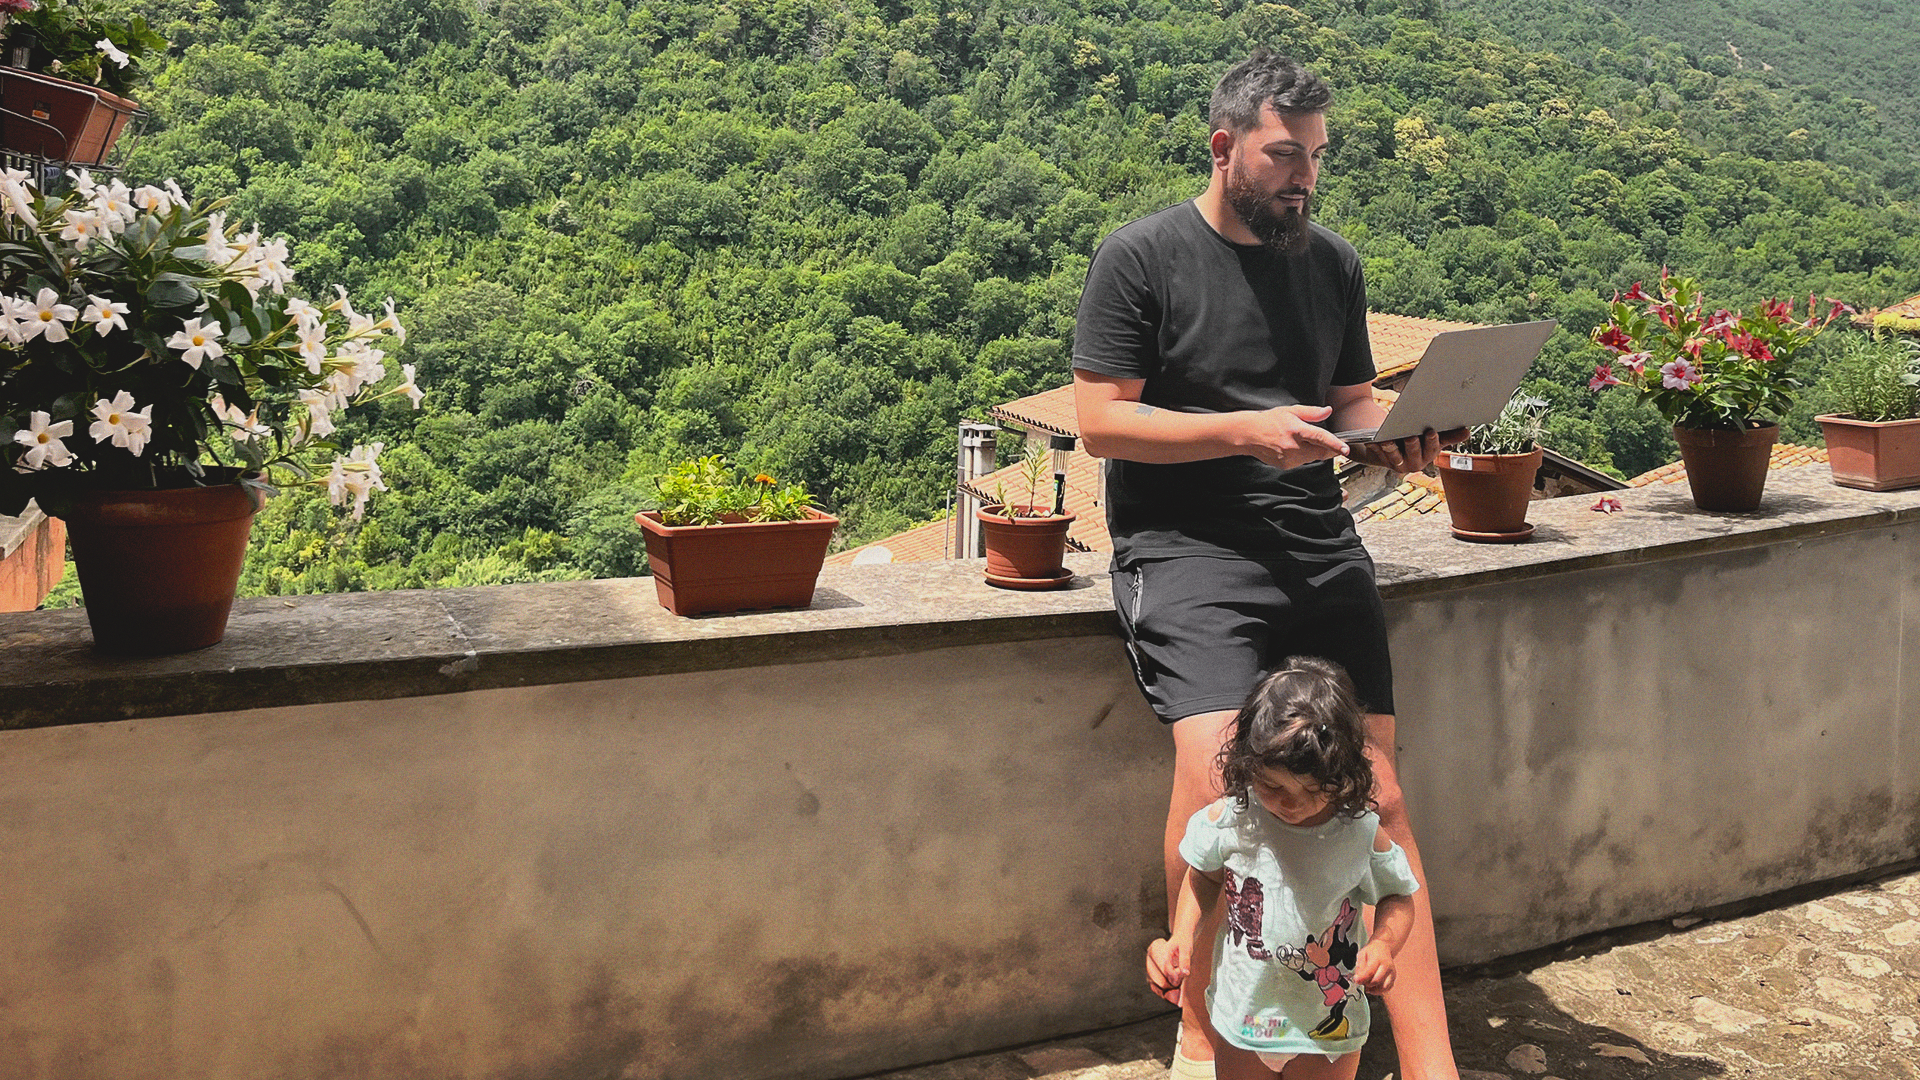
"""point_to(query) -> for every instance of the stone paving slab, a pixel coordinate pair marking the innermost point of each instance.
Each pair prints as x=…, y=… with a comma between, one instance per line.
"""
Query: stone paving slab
x=1828, y=989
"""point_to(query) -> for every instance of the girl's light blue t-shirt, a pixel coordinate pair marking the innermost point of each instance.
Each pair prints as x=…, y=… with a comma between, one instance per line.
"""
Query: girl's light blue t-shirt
x=1283, y=958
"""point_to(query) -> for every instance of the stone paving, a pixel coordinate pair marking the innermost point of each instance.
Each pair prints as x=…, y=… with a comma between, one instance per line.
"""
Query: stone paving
x=1827, y=989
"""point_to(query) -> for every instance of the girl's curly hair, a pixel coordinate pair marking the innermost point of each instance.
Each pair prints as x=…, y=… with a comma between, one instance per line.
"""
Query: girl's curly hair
x=1304, y=719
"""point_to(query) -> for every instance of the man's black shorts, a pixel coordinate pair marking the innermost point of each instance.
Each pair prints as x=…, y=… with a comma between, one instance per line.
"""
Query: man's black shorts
x=1204, y=630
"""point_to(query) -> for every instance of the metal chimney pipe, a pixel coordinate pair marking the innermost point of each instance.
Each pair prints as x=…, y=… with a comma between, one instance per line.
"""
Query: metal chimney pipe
x=978, y=449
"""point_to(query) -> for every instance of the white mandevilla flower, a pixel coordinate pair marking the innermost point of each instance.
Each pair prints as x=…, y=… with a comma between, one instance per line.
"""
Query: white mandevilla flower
x=319, y=413
x=104, y=315
x=246, y=426
x=13, y=314
x=198, y=342
x=115, y=420
x=152, y=199
x=355, y=477
x=46, y=316
x=302, y=312
x=356, y=365
x=313, y=347
x=13, y=185
x=408, y=386
x=82, y=182
x=219, y=251
x=113, y=207
x=392, y=322
x=83, y=228
x=272, y=266
x=42, y=441
x=113, y=52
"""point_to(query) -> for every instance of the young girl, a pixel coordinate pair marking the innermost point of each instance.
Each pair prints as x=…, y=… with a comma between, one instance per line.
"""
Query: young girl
x=1281, y=866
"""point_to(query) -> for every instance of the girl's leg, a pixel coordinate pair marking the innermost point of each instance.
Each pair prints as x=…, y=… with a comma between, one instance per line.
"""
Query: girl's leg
x=1317, y=1067
x=1418, y=1012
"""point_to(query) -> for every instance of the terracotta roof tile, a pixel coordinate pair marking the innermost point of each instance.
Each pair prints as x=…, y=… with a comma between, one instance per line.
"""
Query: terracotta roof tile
x=1906, y=309
x=1785, y=456
x=1400, y=340
x=922, y=543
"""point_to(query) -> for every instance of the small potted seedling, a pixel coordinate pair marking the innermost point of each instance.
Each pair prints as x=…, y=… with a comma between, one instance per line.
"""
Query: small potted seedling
x=1027, y=541
x=1873, y=436
x=1489, y=478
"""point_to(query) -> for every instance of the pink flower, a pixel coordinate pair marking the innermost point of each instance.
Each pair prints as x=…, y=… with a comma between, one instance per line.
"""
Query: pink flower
x=1602, y=377
x=1749, y=346
x=1679, y=375
x=1667, y=314
x=1607, y=505
x=1613, y=338
x=1636, y=362
x=1723, y=321
x=16, y=7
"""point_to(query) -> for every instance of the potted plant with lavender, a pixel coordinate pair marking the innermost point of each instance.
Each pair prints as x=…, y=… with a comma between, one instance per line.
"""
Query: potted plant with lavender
x=158, y=380
x=1873, y=435
x=1489, y=478
x=1720, y=377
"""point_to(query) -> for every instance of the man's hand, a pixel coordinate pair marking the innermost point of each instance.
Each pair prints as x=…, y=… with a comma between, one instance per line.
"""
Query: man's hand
x=1166, y=969
x=1409, y=455
x=1288, y=436
x=1374, y=969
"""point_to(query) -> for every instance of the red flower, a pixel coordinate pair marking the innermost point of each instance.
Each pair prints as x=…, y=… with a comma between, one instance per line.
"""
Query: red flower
x=1602, y=377
x=1777, y=309
x=1838, y=309
x=1723, y=321
x=1692, y=347
x=1607, y=505
x=1749, y=346
x=1637, y=293
x=1667, y=314
x=1613, y=338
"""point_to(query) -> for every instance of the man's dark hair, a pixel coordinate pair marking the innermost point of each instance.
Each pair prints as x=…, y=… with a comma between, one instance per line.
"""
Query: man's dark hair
x=1265, y=78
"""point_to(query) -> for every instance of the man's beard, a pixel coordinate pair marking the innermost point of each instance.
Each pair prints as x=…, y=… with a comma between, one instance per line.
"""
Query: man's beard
x=1284, y=232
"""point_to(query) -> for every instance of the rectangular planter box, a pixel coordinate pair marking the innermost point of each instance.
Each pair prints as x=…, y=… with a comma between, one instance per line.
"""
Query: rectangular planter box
x=59, y=119
x=736, y=565
x=1873, y=456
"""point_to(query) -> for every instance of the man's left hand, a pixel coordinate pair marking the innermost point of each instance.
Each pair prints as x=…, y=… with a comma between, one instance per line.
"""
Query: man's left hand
x=1409, y=455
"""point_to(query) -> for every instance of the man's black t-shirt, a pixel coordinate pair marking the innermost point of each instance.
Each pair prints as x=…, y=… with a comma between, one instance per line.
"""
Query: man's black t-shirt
x=1214, y=326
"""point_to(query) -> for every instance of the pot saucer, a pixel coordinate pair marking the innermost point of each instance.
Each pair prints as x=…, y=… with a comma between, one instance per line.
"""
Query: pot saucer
x=1030, y=584
x=1524, y=534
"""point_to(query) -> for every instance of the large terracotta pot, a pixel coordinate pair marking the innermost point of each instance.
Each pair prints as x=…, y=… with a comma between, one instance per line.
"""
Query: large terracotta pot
x=59, y=119
x=1727, y=470
x=1025, y=552
x=1877, y=456
x=1487, y=494
x=158, y=568
x=736, y=565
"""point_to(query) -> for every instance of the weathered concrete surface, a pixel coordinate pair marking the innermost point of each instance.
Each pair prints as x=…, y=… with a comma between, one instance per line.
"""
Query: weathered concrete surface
x=789, y=870
x=1822, y=990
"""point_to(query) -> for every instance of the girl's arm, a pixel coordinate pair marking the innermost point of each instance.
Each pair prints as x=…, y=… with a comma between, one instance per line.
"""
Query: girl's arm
x=1392, y=924
x=1170, y=959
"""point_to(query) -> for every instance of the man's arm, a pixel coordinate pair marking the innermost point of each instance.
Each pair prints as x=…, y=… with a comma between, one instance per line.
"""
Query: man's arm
x=1354, y=407
x=1115, y=424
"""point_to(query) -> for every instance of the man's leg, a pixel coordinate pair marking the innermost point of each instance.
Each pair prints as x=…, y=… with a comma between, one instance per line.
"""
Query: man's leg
x=1196, y=782
x=1418, y=1011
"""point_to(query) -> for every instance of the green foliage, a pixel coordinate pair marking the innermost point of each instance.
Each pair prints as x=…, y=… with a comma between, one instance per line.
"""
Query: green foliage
x=1520, y=427
x=1875, y=380
x=1036, y=469
x=67, y=34
x=706, y=491
x=814, y=236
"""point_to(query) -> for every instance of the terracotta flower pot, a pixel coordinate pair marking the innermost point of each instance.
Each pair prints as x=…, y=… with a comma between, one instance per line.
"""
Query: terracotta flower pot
x=158, y=569
x=1025, y=552
x=1878, y=456
x=60, y=119
x=736, y=565
x=1727, y=470
x=1487, y=494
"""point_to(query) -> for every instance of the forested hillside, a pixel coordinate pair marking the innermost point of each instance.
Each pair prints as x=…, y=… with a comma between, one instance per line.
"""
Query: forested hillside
x=813, y=235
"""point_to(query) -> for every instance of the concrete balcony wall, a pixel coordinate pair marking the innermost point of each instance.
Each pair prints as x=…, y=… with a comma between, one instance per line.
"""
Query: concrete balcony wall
x=550, y=831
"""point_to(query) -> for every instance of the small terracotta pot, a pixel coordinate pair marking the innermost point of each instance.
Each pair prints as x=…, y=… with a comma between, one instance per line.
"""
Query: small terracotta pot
x=1487, y=494
x=1026, y=549
x=1876, y=456
x=736, y=565
x=158, y=569
x=1727, y=470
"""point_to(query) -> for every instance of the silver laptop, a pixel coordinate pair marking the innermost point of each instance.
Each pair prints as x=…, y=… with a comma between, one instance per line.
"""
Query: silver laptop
x=1464, y=378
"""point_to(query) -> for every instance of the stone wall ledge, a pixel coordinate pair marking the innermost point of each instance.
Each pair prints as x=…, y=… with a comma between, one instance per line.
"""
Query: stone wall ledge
x=374, y=646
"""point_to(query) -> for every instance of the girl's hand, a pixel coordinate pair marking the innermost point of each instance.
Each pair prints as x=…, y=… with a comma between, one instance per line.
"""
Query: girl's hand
x=1374, y=969
x=1167, y=969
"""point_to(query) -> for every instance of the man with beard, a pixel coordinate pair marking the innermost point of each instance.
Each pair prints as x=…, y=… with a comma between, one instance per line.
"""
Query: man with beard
x=1219, y=343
